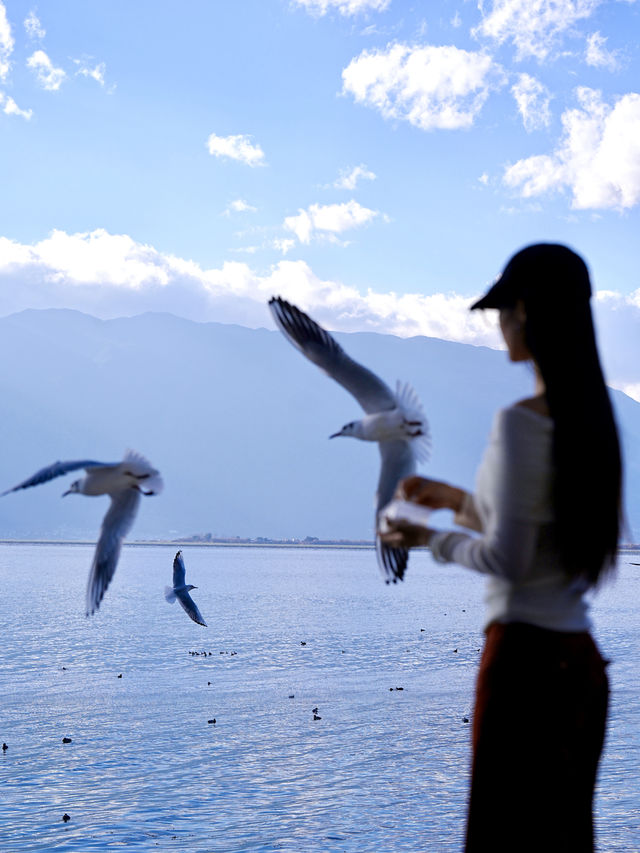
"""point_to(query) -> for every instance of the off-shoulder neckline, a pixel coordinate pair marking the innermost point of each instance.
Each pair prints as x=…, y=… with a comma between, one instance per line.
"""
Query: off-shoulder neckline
x=547, y=419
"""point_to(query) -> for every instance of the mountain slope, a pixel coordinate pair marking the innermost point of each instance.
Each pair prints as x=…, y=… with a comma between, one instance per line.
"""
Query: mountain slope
x=236, y=420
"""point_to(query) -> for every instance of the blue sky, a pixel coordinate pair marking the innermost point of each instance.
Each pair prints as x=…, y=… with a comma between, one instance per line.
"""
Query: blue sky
x=376, y=161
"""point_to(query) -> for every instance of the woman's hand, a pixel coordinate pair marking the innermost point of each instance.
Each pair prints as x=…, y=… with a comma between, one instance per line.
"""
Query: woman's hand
x=401, y=534
x=432, y=493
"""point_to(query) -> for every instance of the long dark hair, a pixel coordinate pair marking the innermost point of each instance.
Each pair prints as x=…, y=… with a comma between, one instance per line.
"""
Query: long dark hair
x=586, y=450
x=553, y=283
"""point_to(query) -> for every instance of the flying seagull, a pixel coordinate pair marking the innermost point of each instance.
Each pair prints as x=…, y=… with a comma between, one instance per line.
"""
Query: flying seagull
x=124, y=482
x=395, y=420
x=180, y=590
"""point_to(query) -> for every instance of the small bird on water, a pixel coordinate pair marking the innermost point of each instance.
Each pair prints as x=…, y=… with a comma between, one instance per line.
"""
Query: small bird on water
x=396, y=421
x=124, y=482
x=181, y=591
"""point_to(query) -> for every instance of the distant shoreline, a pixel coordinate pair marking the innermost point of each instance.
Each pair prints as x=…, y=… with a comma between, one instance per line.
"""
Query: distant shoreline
x=148, y=543
x=242, y=543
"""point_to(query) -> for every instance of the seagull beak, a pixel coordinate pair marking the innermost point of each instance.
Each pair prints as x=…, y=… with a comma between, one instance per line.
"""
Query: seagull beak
x=68, y=492
x=335, y=435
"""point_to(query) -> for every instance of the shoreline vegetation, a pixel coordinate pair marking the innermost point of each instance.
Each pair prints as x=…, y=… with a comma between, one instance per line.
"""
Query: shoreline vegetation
x=207, y=540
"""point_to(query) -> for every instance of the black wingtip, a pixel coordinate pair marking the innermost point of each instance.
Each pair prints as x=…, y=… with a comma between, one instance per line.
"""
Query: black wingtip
x=392, y=561
x=298, y=326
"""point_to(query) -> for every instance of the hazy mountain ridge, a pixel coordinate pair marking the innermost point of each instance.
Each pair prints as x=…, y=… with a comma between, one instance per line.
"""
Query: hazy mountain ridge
x=236, y=420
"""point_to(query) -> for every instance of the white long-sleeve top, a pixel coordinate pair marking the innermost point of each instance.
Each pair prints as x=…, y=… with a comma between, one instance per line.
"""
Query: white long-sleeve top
x=512, y=507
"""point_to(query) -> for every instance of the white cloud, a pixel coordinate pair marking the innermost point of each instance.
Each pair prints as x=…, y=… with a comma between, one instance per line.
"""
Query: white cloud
x=10, y=108
x=112, y=275
x=532, y=98
x=534, y=26
x=597, y=159
x=631, y=389
x=349, y=177
x=430, y=87
x=328, y=219
x=239, y=205
x=345, y=7
x=49, y=77
x=33, y=26
x=618, y=322
x=96, y=72
x=96, y=257
x=283, y=244
x=598, y=56
x=237, y=147
x=246, y=250
x=6, y=43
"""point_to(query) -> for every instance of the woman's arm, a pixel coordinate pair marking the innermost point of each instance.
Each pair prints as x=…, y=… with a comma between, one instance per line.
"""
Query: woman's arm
x=520, y=482
x=439, y=495
x=506, y=553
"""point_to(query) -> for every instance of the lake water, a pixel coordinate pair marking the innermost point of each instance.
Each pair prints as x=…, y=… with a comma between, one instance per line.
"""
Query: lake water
x=290, y=630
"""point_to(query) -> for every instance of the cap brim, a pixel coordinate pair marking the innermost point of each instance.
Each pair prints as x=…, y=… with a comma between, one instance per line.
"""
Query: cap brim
x=499, y=295
x=485, y=302
x=495, y=297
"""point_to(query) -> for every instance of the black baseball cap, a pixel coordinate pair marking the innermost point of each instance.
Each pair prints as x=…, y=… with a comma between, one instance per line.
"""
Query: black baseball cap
x=543, y=271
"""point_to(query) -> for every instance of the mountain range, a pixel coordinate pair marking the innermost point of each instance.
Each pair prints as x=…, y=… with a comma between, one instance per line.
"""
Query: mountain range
x=237, y=422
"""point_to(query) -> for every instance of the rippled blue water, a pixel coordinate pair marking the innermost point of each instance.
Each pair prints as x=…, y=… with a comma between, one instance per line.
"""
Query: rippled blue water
x=289, y=630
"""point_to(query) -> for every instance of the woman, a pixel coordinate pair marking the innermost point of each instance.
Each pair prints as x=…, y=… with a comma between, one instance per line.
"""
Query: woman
x=548, y=505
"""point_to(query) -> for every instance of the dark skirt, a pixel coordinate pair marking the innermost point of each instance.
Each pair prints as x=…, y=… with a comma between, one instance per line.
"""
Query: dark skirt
x=538, y=731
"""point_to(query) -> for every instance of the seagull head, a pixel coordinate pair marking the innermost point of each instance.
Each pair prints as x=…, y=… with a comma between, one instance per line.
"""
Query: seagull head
x=354, y=429
x=73, y=489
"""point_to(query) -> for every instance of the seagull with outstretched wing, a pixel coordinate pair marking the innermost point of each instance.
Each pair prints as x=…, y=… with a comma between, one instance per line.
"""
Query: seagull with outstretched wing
x=180, y=591
x=396, y=421
x=124, y=482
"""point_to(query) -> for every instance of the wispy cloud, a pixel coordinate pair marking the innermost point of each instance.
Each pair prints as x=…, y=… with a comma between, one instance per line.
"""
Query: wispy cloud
x=6, y=43
x=284, y=244
x=535, y=27
x=10, y=108
x=239, y=205
x=239, y=147
x=431, y=87
x=344, y=7
x=349, y=178
x=47, y=75
x=533, y=99
x=598, y=56
x=597, y=158
x=94, y=72
x=33, y=27
x=328, y=220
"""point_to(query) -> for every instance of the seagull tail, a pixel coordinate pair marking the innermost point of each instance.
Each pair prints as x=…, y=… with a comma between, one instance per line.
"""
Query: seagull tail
x=169, y=594
x=150, y=480
x=409, y=402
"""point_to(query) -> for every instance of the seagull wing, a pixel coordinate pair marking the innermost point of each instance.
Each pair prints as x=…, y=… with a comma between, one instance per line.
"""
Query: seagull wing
x=398, y=461
x=115, y=526
x=190, y=607
x=57, y=470
x=322, y=349
x=179, y=571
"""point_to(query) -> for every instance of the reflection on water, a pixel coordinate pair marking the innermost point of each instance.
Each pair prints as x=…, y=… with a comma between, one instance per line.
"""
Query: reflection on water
x=290, y=630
